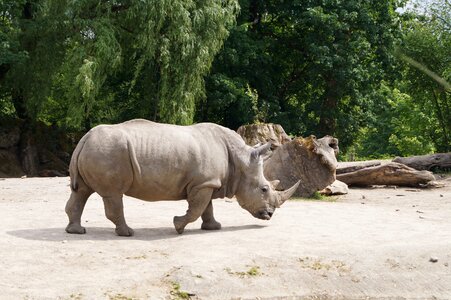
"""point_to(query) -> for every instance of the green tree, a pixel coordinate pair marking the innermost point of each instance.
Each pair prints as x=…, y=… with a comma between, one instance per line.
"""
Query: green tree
x=397, y=126
x=76, y=58
x=425, y=48
x=314, y=64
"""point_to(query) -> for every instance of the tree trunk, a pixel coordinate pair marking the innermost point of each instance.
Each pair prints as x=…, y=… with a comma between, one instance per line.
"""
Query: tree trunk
x=355, y=166
x=427, y=162
x=328, y=122
x=18, y=101
x=29, y=152
x=442, y=121
x=388, y=174
x=254, y=12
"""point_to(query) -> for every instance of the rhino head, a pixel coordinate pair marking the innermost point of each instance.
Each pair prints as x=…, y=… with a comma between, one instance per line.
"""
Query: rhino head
x=254, y=192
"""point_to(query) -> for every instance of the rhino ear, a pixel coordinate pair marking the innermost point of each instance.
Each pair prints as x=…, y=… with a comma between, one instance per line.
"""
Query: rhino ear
x=274, y=183
x=260, y=150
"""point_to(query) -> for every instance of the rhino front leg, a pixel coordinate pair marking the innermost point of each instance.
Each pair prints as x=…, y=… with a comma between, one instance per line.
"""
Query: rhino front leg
x=197, y=203
x=114, y=211
x=209, y=222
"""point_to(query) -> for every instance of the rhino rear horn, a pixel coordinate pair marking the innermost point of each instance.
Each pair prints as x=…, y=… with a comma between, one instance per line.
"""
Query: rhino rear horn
x=260, y=150
x=285, y=195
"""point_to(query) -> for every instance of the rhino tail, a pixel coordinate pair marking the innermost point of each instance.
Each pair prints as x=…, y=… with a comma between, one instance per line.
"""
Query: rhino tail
x=73, y=166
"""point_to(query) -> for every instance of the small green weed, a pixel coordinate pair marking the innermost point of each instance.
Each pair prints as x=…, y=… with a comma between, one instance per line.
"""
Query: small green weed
x=317, y=196
x=317, y=264
x=137, y=257
x=120, y=297
x=252, y=272
x=179, y=294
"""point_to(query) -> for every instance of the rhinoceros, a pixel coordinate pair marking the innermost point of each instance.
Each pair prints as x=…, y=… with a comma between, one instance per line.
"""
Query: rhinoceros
x=153, y=161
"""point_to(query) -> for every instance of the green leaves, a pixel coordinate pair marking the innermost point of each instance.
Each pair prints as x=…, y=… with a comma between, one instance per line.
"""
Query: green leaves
x=314, y=64
x=89, y=51
x=425, y=51
x=315, y=67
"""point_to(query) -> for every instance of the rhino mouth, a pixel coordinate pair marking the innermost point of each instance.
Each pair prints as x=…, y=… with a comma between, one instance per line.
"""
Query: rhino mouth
x=264, y=214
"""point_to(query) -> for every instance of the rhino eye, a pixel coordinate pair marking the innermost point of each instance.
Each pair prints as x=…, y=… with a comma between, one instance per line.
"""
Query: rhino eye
x=265, y=189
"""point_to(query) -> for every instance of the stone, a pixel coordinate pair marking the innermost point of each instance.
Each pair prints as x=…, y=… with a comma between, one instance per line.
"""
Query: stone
x=336, y=188
x=255, y=134
x=9, y=137
x=309, y=159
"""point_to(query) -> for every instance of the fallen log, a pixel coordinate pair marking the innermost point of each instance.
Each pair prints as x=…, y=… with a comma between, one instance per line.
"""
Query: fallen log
x=426, y=162
x=355, y=167
x=389, y=174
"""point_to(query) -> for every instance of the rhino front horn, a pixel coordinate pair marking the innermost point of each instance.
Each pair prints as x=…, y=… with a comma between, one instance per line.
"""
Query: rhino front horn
x=285, y=195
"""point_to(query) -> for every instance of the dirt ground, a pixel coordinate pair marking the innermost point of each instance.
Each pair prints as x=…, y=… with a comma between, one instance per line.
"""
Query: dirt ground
x=370, y=244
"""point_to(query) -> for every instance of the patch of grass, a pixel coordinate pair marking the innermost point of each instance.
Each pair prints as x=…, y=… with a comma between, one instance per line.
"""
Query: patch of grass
x=137, y=257
x=120, y=297
x=178, y=294
x=317, y=264
x=252, y=272
x=317, y=196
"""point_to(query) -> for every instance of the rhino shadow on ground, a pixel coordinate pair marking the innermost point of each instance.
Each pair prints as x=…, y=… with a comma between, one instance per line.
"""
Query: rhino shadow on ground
x=106, y=233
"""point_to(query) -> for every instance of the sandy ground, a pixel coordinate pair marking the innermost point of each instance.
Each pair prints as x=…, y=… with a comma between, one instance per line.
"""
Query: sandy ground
x=371, y=243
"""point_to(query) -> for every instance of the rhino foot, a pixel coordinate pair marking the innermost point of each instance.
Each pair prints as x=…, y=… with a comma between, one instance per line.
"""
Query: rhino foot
x=179, y=224
x=75, y=228
x=124, y=231
x=212, y=225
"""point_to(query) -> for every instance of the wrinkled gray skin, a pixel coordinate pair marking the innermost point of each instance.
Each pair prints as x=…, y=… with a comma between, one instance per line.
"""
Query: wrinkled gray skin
x=153, y=161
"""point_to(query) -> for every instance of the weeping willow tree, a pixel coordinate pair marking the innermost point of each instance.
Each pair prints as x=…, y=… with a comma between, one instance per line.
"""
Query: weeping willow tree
x=77, y=58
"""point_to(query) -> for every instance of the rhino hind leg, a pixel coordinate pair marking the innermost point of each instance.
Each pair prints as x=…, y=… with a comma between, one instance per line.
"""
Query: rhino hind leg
x=74, y=209
x=114, y=211
x=198, y=201
x=208, y=219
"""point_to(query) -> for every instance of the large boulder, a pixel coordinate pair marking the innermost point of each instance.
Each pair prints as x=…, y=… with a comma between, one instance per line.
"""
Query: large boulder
x=9, y=136
x=33, y=150
x=10, y=165
x=255, y=134
x=311, y=160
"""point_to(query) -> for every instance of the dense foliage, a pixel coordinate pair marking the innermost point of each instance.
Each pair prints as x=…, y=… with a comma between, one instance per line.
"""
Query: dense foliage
x=373, y=75
x=313, y=65
x=413, y=116
x=84, y=62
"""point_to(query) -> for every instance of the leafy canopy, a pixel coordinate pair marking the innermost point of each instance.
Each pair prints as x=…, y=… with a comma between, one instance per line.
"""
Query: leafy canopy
x=75, y=58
